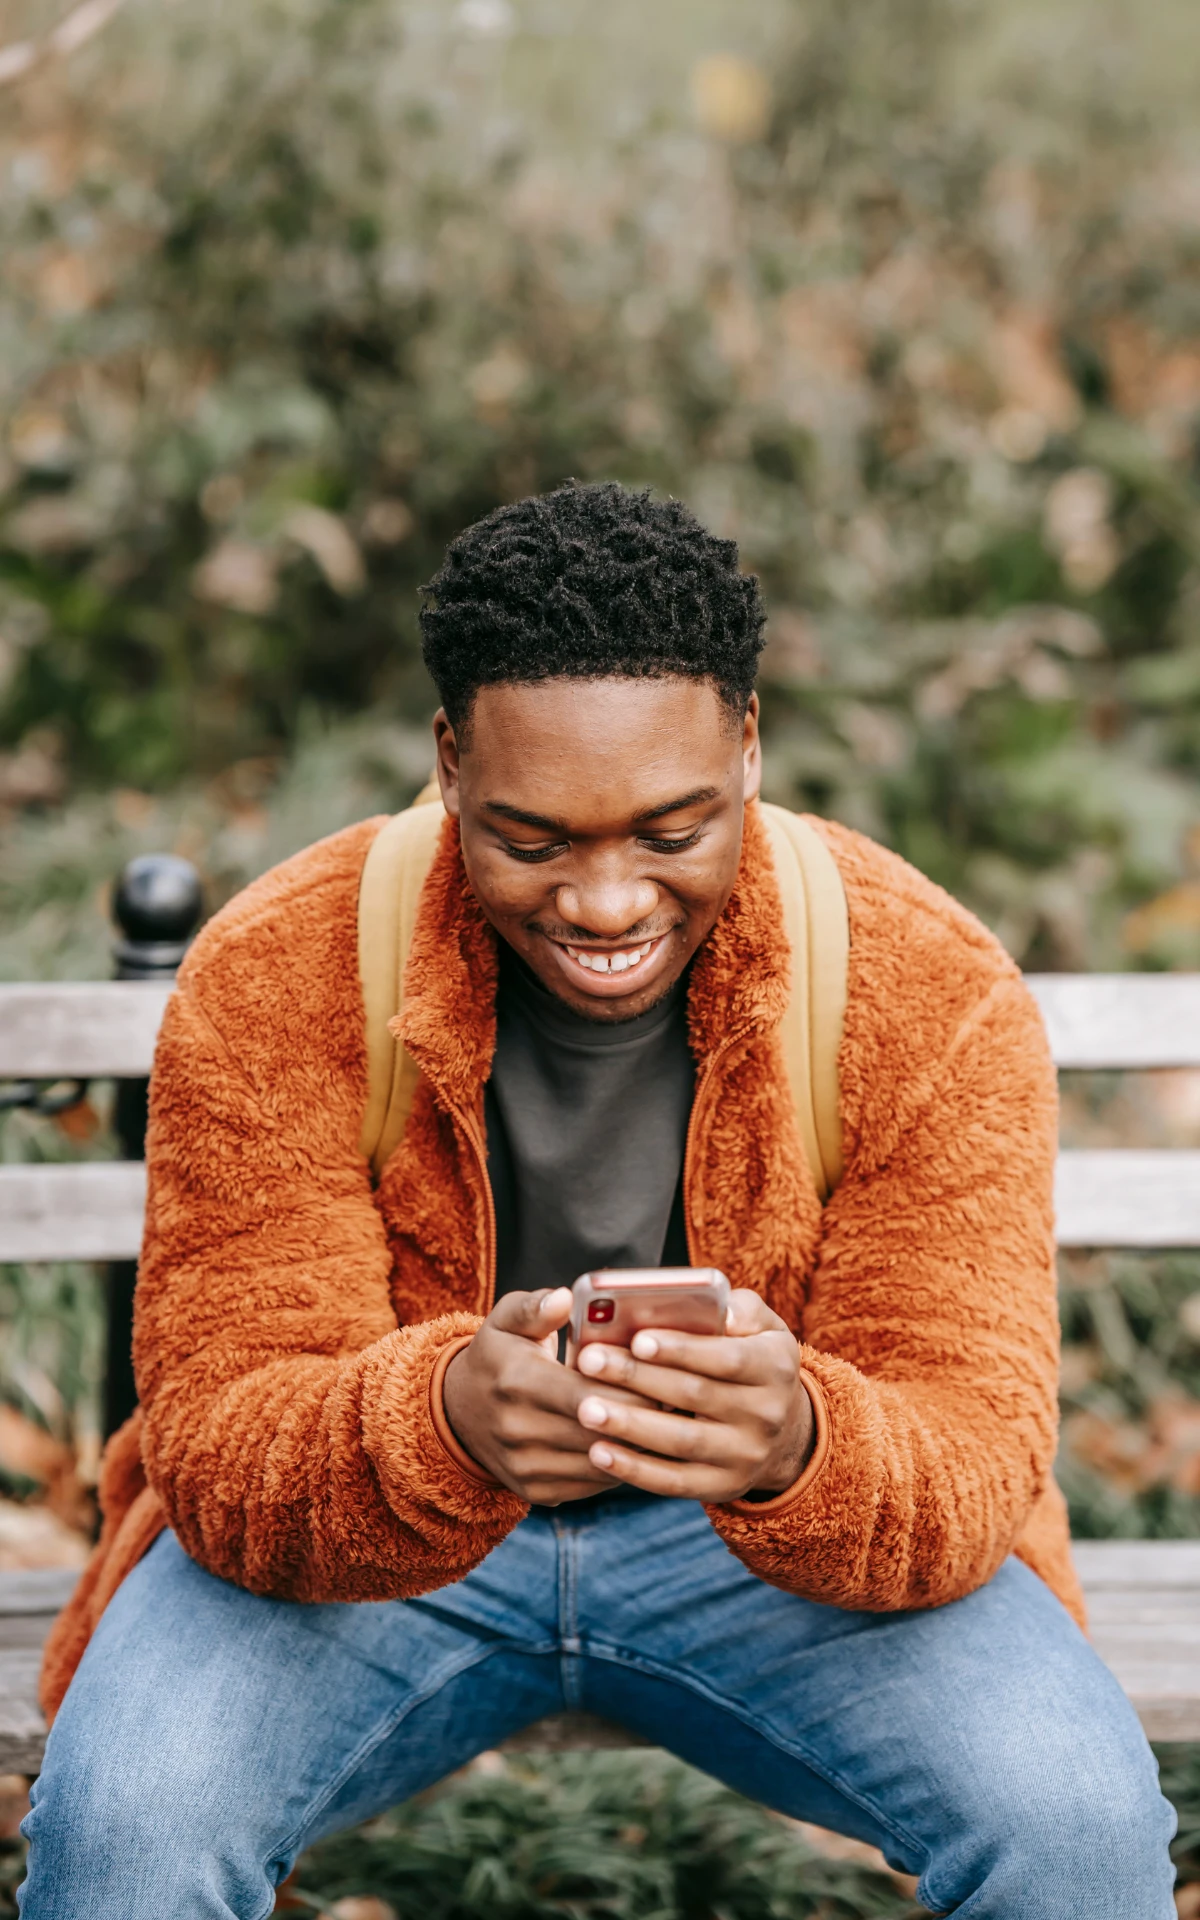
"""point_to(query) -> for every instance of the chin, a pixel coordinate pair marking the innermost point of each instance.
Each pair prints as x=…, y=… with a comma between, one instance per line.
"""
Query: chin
x=607, y=1011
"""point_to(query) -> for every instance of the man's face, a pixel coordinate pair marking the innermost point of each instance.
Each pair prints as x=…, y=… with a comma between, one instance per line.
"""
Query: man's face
x=601, y=827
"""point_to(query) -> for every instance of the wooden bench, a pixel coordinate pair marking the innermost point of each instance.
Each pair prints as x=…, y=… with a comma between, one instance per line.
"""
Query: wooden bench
x=1144, y=1597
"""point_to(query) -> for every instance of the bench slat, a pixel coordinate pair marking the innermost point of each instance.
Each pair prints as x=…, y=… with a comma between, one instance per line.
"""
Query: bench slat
x=1143, y=1598
x=94, y=1029
x=88, y=1211
x=93, y=1210
x=1120, y=1019
x=108, y=1027
x=1125, y=1197
x=35, y=1590
x=22, y=1729
x=1136, y=1566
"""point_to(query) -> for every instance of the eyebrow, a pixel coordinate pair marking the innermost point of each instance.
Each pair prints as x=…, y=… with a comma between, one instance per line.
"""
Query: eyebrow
x=696, y=798
x=522, y=817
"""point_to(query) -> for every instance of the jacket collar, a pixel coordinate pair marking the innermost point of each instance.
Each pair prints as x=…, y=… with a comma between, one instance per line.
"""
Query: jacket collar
x=739, y=980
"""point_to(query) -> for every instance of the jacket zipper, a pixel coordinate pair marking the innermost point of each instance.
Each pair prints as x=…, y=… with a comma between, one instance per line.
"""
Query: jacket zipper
x=707, y=1072
x=467, y=1122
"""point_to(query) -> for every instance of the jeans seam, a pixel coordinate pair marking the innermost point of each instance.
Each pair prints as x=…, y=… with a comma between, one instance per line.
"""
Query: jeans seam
x=795, y=1749
x=570, y=1675
x=369, y=1743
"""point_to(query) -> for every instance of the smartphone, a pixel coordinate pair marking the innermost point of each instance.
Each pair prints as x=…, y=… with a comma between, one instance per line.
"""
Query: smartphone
x=617, y=1302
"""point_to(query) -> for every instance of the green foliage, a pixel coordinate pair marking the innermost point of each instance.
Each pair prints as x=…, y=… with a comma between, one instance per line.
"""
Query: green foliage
x=273, y=339
x=1130, y=1457
x=1179, y=1772
x=717, y=1857
x=593, y=1837
x=52, y=1326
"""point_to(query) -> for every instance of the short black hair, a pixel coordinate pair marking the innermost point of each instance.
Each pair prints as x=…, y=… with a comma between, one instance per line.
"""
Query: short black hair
x=594, y=582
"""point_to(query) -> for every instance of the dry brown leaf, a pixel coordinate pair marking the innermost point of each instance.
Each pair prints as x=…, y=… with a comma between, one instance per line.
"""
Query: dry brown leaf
x=330, y=543
x=839, y=1846
x=1116, y=1448
x=28, y=1450
x=239, y=575
x=78, y=1122
x=731, y=98
x=1028, y=368
x=14, y=1803
x=1175, y=911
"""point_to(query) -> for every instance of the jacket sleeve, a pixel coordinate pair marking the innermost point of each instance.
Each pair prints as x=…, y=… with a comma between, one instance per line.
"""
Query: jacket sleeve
x=290, y=1424
x=930, y=1335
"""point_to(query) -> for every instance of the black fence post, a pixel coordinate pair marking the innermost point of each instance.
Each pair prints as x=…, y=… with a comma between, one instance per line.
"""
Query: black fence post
x=157, y=906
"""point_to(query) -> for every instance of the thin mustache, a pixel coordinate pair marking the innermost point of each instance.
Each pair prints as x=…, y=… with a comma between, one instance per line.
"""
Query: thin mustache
x=578, y=937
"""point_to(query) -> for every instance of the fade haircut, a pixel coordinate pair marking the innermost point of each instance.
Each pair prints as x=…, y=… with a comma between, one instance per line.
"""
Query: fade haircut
x=591, y=582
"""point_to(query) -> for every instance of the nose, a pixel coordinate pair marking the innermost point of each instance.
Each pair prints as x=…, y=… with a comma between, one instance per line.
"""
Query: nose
x=606, y=899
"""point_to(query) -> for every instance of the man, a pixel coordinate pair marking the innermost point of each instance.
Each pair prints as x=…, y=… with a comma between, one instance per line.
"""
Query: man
x=366, y=1525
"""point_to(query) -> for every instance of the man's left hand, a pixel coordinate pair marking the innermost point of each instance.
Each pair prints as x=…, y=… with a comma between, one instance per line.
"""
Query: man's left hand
x=750, y=1428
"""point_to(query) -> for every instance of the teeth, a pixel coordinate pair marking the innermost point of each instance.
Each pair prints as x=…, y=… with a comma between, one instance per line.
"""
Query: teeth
x=610, y=962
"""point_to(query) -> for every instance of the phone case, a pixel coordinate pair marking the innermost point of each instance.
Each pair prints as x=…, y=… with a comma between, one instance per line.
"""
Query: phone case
x=615, y=1303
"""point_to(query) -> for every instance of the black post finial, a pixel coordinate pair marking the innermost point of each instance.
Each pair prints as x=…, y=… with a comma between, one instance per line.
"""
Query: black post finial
x=157, y=904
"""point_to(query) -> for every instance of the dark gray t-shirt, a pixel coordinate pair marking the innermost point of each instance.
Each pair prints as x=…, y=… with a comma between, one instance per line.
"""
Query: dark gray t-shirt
x=586, y=1126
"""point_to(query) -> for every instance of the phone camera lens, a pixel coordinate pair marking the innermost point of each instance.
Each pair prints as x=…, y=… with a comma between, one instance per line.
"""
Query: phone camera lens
x=600, y=1312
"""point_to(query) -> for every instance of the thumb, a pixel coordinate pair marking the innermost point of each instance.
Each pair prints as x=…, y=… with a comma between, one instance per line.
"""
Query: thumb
x=533, y=1316
x=749, y=1313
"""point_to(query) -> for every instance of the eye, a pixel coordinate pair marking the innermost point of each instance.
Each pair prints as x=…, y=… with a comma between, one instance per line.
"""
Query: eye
x=534, y=853
x=673, y=846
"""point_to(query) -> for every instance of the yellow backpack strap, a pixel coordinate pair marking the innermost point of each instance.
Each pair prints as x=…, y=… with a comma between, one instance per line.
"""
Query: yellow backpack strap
x=818, y=931
x=394, y=871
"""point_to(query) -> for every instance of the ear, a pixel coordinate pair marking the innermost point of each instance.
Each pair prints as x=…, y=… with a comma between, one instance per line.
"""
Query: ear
x=751, y=752
x=447, y=761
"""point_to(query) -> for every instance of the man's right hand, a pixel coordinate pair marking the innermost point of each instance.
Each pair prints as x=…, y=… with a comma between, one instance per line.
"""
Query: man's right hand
x=514, y=1408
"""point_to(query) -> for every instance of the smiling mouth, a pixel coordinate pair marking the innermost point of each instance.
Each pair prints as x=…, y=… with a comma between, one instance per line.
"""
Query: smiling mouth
x=611, y=960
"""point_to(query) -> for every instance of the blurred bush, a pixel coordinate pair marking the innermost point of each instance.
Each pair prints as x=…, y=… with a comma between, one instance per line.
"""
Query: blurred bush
x=596, y=1836
x=293, y=292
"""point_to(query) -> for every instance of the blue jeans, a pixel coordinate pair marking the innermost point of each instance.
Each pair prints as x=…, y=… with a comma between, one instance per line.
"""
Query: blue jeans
x=210, y=1735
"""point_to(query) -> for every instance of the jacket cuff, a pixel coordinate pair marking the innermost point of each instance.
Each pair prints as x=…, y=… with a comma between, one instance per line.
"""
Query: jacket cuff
x=441, y=1425
x=757, y=1509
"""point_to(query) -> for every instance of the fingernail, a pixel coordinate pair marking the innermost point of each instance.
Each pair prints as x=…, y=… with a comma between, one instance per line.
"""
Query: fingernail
x=591, y=1360
x=600, y=1456
x=593, y=1412
x=644, y=1346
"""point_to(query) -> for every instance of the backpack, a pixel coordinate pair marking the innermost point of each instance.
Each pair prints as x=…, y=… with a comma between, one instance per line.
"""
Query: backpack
x=815, y=918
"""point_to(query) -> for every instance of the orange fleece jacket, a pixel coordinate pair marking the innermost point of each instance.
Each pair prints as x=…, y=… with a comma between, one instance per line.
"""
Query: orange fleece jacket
x=293, y=1325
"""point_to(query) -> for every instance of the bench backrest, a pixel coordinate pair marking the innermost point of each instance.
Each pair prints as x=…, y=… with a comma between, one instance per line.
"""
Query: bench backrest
x=1123, y=1197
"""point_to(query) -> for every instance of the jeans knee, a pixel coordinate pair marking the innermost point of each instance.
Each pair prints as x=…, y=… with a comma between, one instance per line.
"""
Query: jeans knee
x=1116, y=1816
x=1085, y=1837
x=139, y=1841
x=91, y=1823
